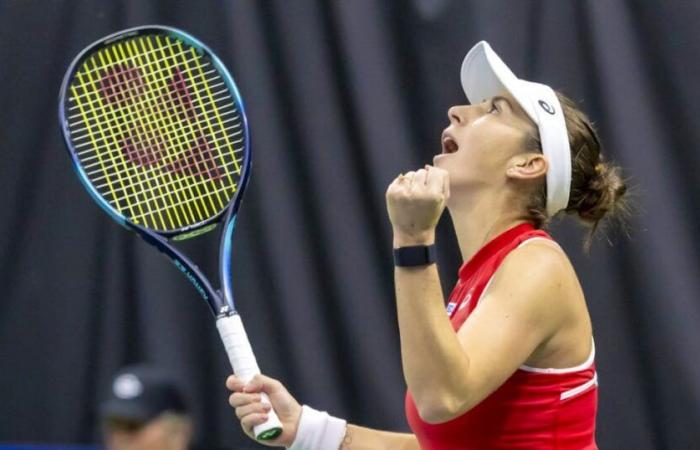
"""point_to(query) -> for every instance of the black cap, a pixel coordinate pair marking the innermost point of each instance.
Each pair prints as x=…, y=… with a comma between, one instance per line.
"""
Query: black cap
x=142, y=392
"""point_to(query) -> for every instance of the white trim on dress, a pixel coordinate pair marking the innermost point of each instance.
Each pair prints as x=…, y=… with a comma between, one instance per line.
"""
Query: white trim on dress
x=580, y=389
x=585, y=365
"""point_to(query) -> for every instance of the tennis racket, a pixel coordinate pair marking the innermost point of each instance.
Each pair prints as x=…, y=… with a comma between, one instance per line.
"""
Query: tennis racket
x=157, y=132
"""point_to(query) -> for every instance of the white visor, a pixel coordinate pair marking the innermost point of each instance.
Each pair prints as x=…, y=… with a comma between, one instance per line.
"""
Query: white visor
x=485, y=75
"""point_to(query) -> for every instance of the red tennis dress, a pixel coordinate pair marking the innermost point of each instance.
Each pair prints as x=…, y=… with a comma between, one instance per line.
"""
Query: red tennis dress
x=535, y=409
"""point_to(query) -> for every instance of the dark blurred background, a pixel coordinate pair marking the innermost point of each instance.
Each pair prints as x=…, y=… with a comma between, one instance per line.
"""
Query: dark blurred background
x=342, y=95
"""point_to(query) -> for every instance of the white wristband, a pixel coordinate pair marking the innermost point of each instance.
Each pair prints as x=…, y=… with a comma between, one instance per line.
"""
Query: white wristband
x=318, y=431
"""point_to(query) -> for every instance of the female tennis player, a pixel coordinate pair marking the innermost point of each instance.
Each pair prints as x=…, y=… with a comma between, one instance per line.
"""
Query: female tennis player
x=511, y=364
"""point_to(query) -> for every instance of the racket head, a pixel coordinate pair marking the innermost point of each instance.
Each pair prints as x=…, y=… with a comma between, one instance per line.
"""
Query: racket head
x=156, y=129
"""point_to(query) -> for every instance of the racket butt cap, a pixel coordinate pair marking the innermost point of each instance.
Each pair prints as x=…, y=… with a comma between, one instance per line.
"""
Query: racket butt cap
x=269, y=434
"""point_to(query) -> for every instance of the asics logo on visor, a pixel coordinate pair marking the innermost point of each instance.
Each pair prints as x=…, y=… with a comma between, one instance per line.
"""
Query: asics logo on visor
x=547, y=107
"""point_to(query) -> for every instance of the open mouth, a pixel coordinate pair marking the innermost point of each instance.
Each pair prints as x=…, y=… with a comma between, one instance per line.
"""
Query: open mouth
x=449, y=144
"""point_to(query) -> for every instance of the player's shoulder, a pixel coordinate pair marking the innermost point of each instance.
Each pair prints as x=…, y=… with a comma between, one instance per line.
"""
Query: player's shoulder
x=537, y=255
x=543, y=250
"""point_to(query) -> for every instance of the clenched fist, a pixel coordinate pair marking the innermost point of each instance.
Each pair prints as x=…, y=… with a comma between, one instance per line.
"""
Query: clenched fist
x=415, y=202
x=251, y=411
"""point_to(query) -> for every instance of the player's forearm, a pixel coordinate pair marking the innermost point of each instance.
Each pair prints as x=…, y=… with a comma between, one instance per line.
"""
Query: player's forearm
x=361, y=438
x=434, y=363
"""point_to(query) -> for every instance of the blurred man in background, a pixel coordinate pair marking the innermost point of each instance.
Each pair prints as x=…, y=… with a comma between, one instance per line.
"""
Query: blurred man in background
x=145, y=410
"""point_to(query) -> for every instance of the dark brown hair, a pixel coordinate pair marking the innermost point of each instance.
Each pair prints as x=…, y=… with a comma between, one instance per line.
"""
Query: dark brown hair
x=597, y=188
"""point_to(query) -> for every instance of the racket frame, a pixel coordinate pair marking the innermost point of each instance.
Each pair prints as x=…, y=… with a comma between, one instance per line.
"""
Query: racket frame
x=186, y=231
x=221, y=302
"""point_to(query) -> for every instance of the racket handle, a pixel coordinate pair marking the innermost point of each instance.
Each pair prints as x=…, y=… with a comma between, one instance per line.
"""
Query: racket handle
x=242, y=359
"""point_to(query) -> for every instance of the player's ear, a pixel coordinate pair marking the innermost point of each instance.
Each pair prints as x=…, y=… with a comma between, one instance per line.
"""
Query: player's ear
x=527, y=166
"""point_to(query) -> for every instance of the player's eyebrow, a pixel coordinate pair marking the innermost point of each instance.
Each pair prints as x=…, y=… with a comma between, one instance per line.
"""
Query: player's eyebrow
x=515, y=109
x=500, y=98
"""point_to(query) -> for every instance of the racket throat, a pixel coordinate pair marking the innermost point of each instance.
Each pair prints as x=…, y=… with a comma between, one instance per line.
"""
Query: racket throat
x=225, y=310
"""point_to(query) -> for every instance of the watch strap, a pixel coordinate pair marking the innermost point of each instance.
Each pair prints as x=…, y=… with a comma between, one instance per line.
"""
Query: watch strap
x=417, y=255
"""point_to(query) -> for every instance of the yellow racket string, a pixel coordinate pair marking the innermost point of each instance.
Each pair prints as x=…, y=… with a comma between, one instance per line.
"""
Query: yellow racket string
x=140, y=113
x=128, y=60
x=167, y=64
x=197, y=94
x=112, y=159
x=156, y=132
x=190, y=129
x=222, y=90
x=99, y=156
x=214, y=106
x=173, y=188
x=91, y=163
x=163, y=119
x=132, y=114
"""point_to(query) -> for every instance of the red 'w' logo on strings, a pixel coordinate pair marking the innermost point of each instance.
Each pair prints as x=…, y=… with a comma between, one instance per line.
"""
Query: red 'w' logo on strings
x=123, y=86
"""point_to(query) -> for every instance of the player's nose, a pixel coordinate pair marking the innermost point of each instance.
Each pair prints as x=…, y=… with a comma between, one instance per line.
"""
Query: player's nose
x=459, y=114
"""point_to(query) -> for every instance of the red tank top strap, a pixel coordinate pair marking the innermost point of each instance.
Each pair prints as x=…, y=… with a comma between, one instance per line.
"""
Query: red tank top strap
x=476, y=274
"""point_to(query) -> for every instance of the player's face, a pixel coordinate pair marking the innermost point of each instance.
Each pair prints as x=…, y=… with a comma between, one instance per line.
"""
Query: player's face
x=480, y=140
x=153, y=435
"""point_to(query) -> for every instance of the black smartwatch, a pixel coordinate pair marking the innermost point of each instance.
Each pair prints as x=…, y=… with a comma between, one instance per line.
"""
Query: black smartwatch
x=417, y=255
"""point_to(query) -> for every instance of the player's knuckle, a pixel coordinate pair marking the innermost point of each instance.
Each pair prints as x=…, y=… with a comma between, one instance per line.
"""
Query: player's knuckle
x=246, y=410
x=420, y=197
x=240, y=399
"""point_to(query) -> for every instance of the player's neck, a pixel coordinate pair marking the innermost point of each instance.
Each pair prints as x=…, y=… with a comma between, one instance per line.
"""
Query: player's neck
x=479, y=219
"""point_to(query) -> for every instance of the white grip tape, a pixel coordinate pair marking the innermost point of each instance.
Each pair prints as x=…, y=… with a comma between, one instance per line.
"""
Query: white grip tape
x=243, y=362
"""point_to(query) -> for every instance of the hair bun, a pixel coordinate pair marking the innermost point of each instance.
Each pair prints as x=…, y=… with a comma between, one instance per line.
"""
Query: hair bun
x=605, y=190
x=598, y=195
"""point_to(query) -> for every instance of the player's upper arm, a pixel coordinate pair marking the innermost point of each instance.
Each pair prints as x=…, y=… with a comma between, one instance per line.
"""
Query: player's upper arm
x=520, y=310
